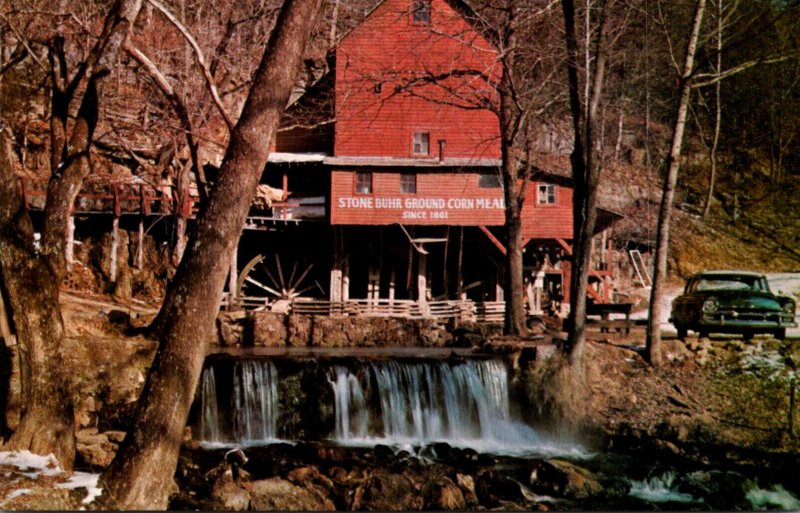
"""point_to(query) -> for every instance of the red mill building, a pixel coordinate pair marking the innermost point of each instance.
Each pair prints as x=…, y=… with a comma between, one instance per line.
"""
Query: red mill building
x=392, y=195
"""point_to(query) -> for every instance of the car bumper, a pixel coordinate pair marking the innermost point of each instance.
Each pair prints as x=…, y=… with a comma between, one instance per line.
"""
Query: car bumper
x=737, y=320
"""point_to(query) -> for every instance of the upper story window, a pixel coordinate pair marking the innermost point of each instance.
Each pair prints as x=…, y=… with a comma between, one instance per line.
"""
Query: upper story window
x=489, y=181
x=421, y=144
x=408, y=183
x=363, y=182
x=421, y=11
x=547, y=194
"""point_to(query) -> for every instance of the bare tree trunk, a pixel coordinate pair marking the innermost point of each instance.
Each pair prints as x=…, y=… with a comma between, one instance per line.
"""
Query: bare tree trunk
x=712, y=177
x=586, y=168
x=141, y=474
x=33, y=278
x=514, y=182
x=46, y=424
x=673, y=164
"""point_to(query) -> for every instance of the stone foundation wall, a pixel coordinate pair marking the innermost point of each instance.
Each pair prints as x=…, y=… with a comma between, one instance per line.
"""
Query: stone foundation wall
x=272, y=329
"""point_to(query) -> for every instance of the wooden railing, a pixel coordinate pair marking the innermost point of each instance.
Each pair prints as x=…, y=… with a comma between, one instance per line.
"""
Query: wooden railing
x=463, y=310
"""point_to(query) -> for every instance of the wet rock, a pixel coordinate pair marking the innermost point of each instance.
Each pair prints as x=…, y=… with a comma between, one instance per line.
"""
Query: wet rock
x=269, y=329
x=387, y=492
x=467, y=484
x=230, y=496
x=559, y=477
x=278, y=494
x=722, y=490
x=309, y=475
x=443, y=494
x=492, y=488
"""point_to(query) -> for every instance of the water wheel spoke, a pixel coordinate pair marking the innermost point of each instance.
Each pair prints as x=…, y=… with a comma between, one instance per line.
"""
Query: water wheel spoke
x=275, y=282
x=291, y=282
x=280, y=270
x=305, y=273
x=262, y=286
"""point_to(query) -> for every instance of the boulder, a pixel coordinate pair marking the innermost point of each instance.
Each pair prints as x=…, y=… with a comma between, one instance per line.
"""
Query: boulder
x=230, y=496
x=278, y=494
x=443, y=494
x=561, y=478
x=467, y=484
x=384, y=491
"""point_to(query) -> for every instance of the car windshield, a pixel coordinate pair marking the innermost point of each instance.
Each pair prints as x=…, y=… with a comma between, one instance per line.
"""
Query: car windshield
x=729, y=283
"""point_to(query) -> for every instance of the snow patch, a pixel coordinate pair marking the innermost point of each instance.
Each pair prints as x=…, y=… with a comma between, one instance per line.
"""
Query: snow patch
x=83, y=480
x=31, y=465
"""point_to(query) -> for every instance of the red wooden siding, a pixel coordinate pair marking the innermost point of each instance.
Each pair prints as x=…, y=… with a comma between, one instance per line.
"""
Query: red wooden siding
x=388, y=49
x=443, y=198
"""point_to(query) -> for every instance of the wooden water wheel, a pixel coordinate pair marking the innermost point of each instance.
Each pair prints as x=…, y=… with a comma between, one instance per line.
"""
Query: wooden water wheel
x=265, y=279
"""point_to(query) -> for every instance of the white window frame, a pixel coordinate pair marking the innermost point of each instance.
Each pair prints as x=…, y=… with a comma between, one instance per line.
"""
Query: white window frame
x=421, y=143
x=546, y=194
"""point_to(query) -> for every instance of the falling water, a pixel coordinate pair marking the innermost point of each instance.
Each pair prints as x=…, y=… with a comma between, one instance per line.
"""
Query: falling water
x=463, y=404
x=209, y=418
x=253, y=405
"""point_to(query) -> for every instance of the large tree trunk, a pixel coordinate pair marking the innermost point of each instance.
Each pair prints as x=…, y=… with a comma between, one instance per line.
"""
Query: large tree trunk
x=514, y=185
x=141, y=475
x=586, y=166
x=32, y=278
x=46, y=424
x=673, y=165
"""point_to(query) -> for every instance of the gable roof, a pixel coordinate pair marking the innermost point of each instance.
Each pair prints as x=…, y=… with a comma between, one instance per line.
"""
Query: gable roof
x=461, y=7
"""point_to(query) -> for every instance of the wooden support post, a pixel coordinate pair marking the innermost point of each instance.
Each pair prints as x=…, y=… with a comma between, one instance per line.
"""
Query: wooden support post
x=233, y=277
x=346, y=280
x=112, y=267
x=392, y=279
x=422, y=279
x=70, y=249
x=460, y=282
x=499, y=294
x=140, y=246
x=335, y=294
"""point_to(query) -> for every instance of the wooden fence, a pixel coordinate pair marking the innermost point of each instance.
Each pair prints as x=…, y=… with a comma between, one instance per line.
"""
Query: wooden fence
x=462, y=310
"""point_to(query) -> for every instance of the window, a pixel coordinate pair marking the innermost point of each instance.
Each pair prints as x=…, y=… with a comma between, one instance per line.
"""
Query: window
x=421, y=11
x=408, y=183
x=363, y=182
x=422, y=143
x=547, y=194
x=489, y=181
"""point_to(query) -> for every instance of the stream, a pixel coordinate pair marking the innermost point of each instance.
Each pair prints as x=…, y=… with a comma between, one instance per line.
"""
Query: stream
x=454, y=417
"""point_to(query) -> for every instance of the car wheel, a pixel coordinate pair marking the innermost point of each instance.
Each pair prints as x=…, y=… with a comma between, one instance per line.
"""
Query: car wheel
x=780, y=334
x=747, y=336
x=682, y=332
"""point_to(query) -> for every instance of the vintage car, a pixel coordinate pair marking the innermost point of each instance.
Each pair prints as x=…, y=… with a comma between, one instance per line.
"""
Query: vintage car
x=731, y=302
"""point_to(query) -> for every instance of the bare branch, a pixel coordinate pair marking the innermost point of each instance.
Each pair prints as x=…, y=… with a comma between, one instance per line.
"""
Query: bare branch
x=713, y=78
x=201, y=61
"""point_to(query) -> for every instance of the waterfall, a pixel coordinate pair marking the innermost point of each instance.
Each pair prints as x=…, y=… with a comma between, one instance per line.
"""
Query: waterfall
x=253, y=405
x=463, y=404
x=209, y=409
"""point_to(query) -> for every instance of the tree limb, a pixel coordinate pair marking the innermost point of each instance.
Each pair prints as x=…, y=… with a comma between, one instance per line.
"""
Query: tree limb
x=201, y=61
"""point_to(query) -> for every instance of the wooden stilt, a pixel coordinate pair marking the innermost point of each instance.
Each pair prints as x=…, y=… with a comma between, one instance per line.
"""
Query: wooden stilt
x=70, y=249
x=422, y=281
x=444, y=265
x=233, y=277
x=140, y=246
x=460, y=283
x=346, y=280
x=392, y=285
x=499, y=293
x=335, y=293
x=112, y=268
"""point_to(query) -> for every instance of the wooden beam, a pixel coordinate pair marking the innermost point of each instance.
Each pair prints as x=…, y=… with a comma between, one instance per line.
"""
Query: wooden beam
x=494, y=239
